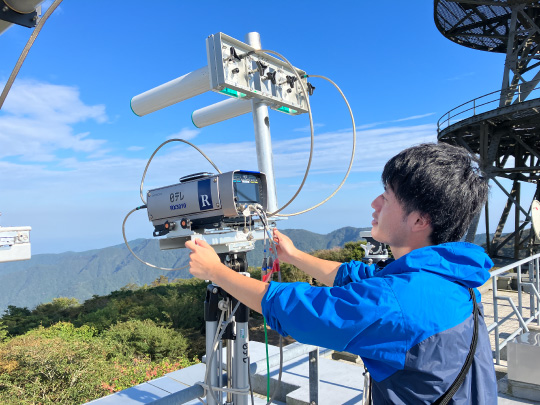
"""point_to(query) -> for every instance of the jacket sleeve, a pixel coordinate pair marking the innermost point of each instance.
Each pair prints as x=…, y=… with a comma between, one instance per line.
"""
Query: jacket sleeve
x=362, y=317
x=353, y=271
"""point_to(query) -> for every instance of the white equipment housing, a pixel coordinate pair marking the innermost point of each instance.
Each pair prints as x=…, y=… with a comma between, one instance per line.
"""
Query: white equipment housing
x=237, y=71
x=535, y=216
x=15, y=243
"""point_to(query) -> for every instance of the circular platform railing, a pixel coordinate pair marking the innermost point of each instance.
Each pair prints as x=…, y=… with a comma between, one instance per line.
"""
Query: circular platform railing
x=483, y=104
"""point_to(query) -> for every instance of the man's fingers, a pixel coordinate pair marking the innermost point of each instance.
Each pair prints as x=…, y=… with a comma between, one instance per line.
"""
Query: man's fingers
x=202, y=242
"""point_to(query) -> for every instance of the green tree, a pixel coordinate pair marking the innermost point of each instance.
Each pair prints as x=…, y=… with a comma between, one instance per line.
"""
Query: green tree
x=3, y=332
x=145, y=338
x=19, y=320
x=353, y=251
x=130, y=287
x=161, y=280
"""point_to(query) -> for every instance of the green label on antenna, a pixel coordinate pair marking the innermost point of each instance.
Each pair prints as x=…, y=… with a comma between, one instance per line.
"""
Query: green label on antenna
x=286, y=110
x=232, y=93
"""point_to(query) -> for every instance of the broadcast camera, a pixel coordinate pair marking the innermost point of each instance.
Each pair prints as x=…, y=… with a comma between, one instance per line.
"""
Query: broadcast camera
x=205, y=202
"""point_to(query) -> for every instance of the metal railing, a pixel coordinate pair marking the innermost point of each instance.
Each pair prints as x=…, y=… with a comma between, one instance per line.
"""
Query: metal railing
x=478, y=105
x=531, y=288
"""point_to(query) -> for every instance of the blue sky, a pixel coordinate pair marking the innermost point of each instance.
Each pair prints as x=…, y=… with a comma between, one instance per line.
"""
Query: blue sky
x=72, y=153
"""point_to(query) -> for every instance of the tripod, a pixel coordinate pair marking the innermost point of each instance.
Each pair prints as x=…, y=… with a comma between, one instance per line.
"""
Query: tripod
x=235, y=338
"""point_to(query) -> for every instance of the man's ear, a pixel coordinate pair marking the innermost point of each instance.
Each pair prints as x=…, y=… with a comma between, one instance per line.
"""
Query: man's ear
x=421, y=222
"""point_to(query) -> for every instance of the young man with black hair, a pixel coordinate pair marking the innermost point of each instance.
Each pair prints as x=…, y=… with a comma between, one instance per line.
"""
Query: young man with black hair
x=412, y=321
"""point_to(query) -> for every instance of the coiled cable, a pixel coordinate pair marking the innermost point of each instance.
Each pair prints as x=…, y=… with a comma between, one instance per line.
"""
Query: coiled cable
x=156, y=151
x=350, y=162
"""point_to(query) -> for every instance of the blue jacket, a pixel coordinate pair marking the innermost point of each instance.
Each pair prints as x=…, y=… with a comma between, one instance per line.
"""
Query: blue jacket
x=411, y=322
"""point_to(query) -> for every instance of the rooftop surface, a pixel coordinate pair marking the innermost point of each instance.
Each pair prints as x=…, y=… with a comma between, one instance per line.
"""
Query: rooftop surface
x=341, y=382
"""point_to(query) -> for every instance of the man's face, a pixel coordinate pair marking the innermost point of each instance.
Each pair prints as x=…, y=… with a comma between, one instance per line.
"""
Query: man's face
x=389, y=220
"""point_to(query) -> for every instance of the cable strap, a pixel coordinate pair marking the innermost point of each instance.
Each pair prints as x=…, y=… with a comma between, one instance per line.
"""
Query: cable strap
x=447, y=396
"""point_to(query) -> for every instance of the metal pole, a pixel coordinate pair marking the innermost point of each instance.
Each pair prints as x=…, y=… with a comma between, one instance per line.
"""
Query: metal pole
x=240, y=361
x=520, y=298
x=488, y=241
x=211, y=318
x=314, y=377
x=263, y=142
x=517, y=204
x=537, y=279
x=510, y=61
x=220, y=363
x=229, y=359
x=241, y=354
x=531, y=293
x=496, y=320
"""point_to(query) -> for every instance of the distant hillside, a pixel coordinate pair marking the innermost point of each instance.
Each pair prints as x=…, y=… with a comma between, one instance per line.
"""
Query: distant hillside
x=98, y=272
x=507, y=251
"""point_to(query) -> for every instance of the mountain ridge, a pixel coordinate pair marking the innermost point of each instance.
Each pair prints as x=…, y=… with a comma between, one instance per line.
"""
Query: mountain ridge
x=84, y=274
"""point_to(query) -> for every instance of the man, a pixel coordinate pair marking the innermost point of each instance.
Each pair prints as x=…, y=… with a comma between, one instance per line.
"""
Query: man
x=411, y=321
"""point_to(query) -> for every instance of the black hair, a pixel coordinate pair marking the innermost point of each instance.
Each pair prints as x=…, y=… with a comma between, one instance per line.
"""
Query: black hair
x=441, y=181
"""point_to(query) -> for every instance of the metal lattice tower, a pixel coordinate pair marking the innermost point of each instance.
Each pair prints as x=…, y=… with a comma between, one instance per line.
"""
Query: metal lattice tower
x=502, y=127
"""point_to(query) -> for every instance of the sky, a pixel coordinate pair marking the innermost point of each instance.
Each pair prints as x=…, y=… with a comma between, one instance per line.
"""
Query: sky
x=72, y=152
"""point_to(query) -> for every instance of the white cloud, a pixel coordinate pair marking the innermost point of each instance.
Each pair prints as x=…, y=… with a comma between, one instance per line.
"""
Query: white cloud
x=115, y=173
x=332, y=151
x=38, y=119
x=185, y=133
x=35, y=99
x=367, y=126
x=376, y=124
x=414, y=117
x=308, y=128
x=461, y=76
x=96, y=194
x=135, y=148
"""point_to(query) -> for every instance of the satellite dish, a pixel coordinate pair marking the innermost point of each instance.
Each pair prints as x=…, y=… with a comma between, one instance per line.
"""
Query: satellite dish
x=535, y=214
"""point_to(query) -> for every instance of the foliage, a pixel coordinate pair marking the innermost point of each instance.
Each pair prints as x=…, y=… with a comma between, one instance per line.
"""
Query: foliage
x=145, y=338
x=19, y=320
x=178, y=305
x=66, y=331
x=161, y=280
x=291, y=274
x=3, y=332
x=70, y=352
x=64, y=364
x=83, y=274
x=351, y=251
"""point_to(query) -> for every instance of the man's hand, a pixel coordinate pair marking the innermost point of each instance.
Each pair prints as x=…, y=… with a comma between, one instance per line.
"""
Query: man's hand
x=204, y=263
x=203, y=260
x=285, y=247
x=322, y=270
